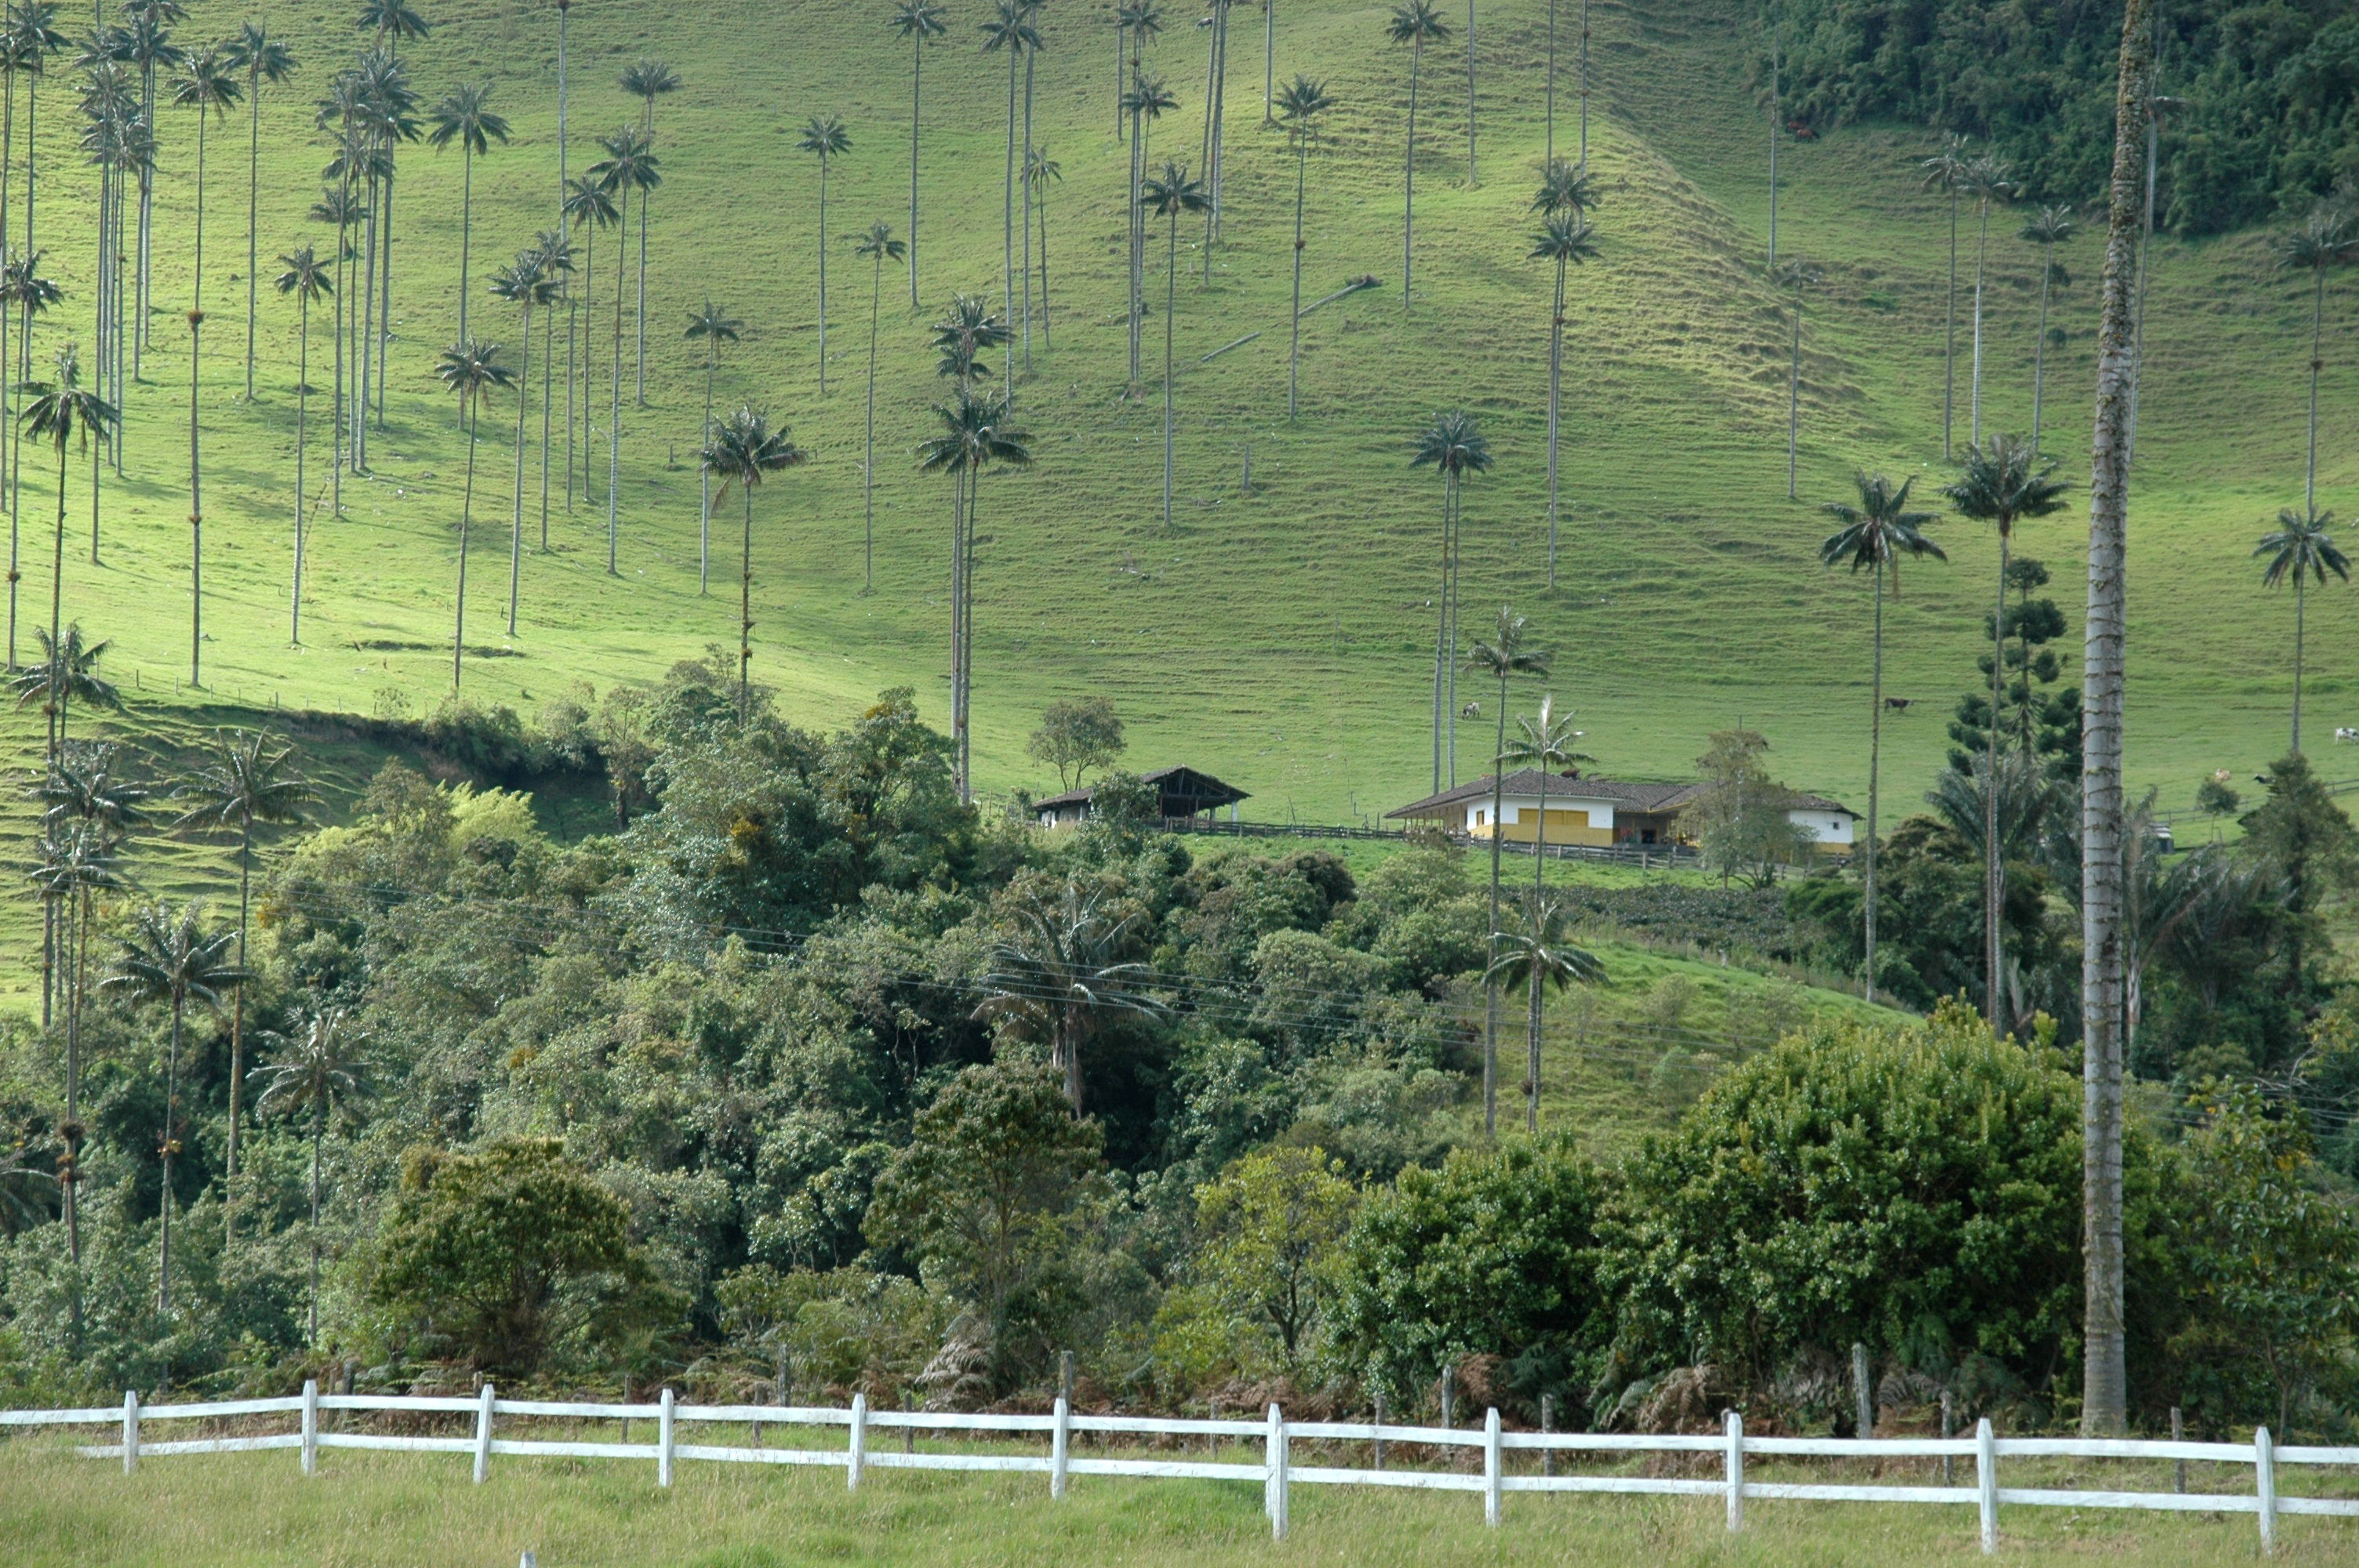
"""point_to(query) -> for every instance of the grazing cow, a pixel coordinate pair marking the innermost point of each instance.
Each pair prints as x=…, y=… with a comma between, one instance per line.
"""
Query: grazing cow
x=2346, y=734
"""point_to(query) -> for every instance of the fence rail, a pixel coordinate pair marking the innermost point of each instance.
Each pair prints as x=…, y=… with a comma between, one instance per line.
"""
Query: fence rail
x=1275, y=1471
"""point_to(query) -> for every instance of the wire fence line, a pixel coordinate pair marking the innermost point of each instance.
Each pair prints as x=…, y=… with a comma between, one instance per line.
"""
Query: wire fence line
x=1489, y=1446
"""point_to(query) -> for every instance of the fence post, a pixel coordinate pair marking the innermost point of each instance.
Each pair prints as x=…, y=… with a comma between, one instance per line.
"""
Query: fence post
x=2178, y=1466
x=1949, y=1430
x=1548, y=1424
x=483, y=1434
x=857, y=1454
x=130, y=1432
x=1735, y=1428
x=1449, y=1396
x=1274, y=1489
x=310, y=1426
x=1491, y=1467
x=1862, y=1392
x=2265, y=1482
x=1987, y=1483
x=1380, y=1421
x=1060, y=1443
x=664, y=1438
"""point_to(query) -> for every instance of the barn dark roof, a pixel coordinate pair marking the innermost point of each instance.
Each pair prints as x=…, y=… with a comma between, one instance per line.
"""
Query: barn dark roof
x=1184, y=787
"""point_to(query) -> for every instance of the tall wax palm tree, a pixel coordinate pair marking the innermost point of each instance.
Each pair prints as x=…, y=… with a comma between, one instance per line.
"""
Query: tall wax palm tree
x=209, y=86
x=1540, y=957
x=591, y=205
x=1544, y=743
x=1298, y=107
x=392, y=21
x=339, y=206
x=265, y=59
x=975, y=433
x=171, y=958
x=144, y=39
x=1216, y=97
x=961, y=339
x=1566, y=239
x=919, y=22
x=1987, y=179
x=715, y=329
x=1010, y=28
x=647, y=81
x=2299, y=547
x=249, y=778
x=1797, y=275
x=1945, y=172
x=1503, y=658
x=525, y=283
x=1147, y=103
x=2104, y=1390
x=878, y=246
x=744, y=447
x=2323, y=243
x=1454, y=447
x=824, y=137
x=470, y=371
x=2049, y=227
x=389, y=116
x=1041, y=171
x=68, y=670
x=24, y=290
x=554, y=253
x=1024, y=182
x=1416, y=24
x=630, y=164
x=307, y=280
x=1877, y=535
x=2003, y=482
x=63, y=412
x=1168, y=195
x=465, y=116
x=321, y=1069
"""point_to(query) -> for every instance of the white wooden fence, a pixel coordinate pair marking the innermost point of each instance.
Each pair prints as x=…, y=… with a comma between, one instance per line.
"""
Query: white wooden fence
x=1275, y=1472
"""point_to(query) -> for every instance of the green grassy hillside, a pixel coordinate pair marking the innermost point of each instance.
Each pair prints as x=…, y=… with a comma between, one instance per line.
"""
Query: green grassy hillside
x=1278, y=638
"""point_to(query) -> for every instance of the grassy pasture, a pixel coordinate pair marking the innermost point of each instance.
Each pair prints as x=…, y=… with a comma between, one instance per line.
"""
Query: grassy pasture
x=367, y=1509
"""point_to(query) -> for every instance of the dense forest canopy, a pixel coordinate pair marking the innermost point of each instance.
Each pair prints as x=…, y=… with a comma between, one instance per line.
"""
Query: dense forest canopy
x=2264, y=122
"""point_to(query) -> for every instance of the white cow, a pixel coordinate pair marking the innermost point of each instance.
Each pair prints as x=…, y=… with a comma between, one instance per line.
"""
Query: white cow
x=2346, y=734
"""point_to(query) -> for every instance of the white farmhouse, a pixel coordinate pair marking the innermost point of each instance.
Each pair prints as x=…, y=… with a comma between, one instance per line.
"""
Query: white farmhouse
x=1599, y=812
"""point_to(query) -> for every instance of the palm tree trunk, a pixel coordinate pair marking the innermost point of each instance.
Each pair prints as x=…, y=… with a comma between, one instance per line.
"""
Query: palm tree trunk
x=252, y=195
x=1215, y=102
x=238, y=1019
x=1268, y=61
x=1138, y=242
x=1974, y=395
x=1450, y=641
x=547, y=361
x=822, y=274
x=1294, y=347
x=1409, y=174
x=1993, y=868
x=1023, y=175
x=515, y=529
x=385, y=302
x=1539, y=845
x=1874, y=776
x=172, y=1123
x=639, y=320
x=2104, y=1387
x=868, y=459
x=364, y=329
x=466, y=516
x=336, y=432
x=1441, y=628
x=319, y=1129
x=917, y=71
x=1554, y=411
x=2040, y=349
x=2317, y=364
x=2298, y=607
x=614, y=404
x=1171, y=306
x=466, y=225
x=1491, y=948
x=1532, y=1045
x=196, y=521
x=1045, y=343
x=1548, y=92
x=1774, y=64
x=958, y=607
x=1471, y=178
x=704, y=474
x=302, y=431
x=1584, y=84
x=745, y=618
x=1950, y=335
x=1007, y=214
x=1794, y=397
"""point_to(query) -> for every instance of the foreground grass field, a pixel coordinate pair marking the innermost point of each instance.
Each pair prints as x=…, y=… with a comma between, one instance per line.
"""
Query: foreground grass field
x=248, y=1511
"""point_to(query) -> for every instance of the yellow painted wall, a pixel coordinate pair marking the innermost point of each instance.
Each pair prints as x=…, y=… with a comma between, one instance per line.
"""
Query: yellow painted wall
x=1563, y=828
